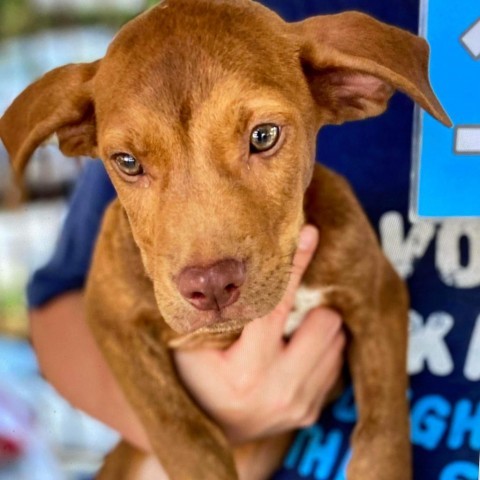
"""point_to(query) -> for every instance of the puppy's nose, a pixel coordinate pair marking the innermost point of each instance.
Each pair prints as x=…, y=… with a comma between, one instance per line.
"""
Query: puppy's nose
x=214, y=287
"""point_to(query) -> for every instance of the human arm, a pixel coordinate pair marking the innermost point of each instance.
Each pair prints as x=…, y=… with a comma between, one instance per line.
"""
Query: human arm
x=72, y=362
x=263, y=385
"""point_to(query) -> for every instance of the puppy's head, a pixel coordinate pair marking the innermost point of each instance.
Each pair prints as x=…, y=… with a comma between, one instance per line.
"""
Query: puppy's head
x=205, y=115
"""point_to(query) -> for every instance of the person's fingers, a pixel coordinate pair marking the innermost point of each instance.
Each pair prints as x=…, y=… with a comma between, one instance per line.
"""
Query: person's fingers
x=243, y=394
x=312, y=339
x=318, y=380
x=261, y=339
x=268, y=331
x=326, y=373
x=307, y=244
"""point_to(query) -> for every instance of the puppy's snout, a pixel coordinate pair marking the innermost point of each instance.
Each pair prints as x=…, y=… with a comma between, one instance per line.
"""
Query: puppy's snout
x=214, y=287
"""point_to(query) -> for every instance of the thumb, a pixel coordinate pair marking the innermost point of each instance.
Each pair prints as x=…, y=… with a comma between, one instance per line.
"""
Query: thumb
x=307, y=245
x=273, y=323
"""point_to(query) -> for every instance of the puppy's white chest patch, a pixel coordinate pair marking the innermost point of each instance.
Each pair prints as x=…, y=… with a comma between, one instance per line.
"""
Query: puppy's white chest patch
x=305, y=299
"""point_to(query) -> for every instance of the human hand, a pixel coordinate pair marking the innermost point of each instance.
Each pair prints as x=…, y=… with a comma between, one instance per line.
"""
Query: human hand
x=262, y=385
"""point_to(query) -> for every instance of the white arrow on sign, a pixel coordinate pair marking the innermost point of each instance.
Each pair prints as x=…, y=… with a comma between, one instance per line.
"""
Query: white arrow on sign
x=471, y=40
x=467, y=137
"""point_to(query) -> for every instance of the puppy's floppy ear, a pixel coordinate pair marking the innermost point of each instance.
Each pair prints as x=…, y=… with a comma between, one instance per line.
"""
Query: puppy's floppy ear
x=59, y=102
x=355, y=63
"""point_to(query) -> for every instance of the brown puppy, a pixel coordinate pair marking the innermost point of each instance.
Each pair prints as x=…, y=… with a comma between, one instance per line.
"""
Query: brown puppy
x=205, y=114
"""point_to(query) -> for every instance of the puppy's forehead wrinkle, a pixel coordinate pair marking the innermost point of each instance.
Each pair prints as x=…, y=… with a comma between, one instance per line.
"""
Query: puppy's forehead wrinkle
x=191, y=45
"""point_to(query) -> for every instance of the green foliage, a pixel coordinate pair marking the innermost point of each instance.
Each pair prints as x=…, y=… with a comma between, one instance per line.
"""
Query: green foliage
x=14, y=16
x=18, y=17
x=13, y=313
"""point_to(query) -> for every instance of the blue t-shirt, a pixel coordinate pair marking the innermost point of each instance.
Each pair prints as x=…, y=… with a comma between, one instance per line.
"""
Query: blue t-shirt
x=67, y=268
x=440, y=261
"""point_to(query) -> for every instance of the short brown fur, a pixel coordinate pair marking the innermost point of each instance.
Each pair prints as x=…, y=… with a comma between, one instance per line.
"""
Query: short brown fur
x=181, y=88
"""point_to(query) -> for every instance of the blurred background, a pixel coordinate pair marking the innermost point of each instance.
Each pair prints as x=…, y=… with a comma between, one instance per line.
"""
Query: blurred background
x=41, y=436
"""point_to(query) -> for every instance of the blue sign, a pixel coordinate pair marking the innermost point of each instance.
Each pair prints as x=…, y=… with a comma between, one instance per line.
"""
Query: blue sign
x=446, y=177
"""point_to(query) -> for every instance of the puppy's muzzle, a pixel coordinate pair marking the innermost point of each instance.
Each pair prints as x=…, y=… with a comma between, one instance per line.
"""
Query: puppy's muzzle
x=213, y=287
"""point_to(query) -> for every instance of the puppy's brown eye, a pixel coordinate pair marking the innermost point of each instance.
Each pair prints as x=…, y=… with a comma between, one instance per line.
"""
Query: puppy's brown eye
x=128, y=164
x=264, y=137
